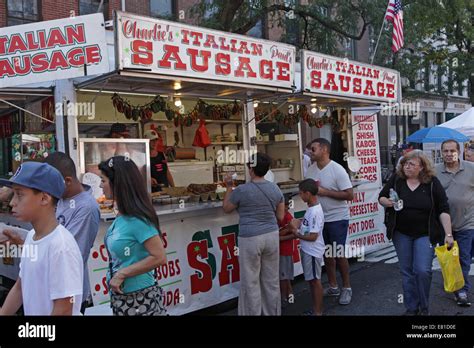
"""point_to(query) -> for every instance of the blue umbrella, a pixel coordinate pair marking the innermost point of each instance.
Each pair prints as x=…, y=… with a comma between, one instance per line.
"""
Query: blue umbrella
x=436, y=135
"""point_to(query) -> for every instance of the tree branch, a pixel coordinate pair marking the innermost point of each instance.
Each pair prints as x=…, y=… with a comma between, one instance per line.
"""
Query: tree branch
x=334, y=26
x=228, y=13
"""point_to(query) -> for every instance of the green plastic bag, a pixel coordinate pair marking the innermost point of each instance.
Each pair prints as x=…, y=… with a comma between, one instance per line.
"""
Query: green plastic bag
x=450, y=267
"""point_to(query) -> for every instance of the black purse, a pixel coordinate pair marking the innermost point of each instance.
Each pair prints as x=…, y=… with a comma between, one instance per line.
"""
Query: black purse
x=145, y=302
x=149, y=301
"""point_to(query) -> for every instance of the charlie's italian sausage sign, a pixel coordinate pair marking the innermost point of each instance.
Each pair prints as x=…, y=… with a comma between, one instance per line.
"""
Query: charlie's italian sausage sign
x=341, y=77
x=53, y=50
x=170, y=48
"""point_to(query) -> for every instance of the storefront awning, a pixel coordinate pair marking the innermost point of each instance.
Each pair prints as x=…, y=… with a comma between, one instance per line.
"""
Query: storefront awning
x=12, y=98
x=134, y=81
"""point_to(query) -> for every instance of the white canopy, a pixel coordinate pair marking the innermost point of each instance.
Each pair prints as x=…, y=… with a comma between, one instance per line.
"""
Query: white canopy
x=463, y=123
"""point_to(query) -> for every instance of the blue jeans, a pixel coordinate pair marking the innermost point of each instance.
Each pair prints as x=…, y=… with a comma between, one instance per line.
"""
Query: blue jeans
x=415, y=256
x=465, y=239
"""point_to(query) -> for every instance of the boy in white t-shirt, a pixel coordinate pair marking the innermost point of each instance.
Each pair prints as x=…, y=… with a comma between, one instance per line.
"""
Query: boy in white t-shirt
x=310, y=232
x=51, y=267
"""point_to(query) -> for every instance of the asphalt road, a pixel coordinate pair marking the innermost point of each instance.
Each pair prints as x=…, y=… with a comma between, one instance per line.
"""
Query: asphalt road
x=377, y=290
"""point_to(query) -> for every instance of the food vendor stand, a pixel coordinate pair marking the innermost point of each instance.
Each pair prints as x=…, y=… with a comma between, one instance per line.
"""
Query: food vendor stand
x=356, y=93
x=33, y=67
x=168, y=77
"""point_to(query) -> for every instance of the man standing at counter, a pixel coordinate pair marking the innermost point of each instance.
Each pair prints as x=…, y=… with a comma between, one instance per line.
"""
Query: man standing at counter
x=160, y=173
x=457, y=178
x=335, y=189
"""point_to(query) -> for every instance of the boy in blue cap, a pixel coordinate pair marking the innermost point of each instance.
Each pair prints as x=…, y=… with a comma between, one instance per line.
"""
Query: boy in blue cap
x=51, y=268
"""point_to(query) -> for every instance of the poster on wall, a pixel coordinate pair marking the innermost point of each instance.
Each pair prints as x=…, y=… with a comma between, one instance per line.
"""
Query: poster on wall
x=32, y=147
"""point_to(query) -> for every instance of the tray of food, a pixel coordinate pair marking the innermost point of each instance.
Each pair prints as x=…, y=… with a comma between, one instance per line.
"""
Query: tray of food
x=199, y=189
x=175, y=191
x=106, y=206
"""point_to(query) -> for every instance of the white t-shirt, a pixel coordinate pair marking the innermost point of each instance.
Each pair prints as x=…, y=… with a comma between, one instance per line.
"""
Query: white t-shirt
x=50, y=268
x=313, y=222
x=306, y=164
x=332, y=177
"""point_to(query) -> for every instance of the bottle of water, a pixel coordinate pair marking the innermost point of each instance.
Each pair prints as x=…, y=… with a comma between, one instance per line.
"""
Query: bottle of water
x=397, y=202
x=393, y=195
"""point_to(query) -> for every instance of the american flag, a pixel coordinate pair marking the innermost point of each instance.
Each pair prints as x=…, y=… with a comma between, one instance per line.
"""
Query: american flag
x=394, y=14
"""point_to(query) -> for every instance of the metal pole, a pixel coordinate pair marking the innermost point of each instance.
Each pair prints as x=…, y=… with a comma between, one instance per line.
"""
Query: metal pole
x=377, y=44
x=24, y=110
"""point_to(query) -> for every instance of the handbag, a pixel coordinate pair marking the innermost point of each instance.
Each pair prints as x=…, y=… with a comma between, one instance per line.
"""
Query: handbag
x=450, y=267
x=144, y=302
x=149, y=301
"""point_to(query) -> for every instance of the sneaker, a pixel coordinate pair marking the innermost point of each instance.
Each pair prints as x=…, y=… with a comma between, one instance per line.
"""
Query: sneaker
x=409, y=313
x=462, y=300
x=424, y=312
x=332, y=292
x=346, y=296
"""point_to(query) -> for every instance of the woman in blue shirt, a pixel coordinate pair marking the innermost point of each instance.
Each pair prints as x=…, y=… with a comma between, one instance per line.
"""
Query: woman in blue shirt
x=133, y=240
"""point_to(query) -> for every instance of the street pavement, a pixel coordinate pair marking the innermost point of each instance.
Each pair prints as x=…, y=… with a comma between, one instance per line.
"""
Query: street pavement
x=377, y=290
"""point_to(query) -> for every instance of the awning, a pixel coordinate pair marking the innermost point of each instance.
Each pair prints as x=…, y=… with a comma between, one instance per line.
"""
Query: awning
x=134, y=81
x=12, y=98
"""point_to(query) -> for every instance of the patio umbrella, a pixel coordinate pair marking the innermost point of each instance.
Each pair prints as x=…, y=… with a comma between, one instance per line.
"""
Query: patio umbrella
x=436, y=135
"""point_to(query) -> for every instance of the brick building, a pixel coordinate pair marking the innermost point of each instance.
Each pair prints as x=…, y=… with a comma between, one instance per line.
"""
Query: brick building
x=15, y=12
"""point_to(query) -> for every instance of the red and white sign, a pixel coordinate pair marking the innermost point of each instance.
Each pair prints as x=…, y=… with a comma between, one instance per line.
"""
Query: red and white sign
x=170, y=48
x=365, y=139
x=53, y=50
x=333, y=76
x=202, y=266
x=366, y=228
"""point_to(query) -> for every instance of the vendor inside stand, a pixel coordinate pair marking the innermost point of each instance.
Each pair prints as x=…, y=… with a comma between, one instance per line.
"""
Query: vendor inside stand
x=160, y=173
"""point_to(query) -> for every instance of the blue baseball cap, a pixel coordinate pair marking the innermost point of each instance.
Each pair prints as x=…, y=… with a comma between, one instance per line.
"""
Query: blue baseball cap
x=38, y=176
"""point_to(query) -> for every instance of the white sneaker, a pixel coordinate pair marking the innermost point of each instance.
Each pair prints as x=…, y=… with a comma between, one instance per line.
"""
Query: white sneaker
x=346, y=296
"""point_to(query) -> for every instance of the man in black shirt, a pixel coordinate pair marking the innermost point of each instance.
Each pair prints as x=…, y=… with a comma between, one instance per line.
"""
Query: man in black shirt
x=160, y=174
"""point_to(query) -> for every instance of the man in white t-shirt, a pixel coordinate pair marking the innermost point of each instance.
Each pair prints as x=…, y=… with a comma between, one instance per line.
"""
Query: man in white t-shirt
x=309, y=232
x=51, y=268
x=335, y=189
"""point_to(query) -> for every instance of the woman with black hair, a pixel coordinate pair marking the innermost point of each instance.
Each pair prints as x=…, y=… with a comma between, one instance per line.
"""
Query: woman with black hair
x=133, y=241
x=261, y=206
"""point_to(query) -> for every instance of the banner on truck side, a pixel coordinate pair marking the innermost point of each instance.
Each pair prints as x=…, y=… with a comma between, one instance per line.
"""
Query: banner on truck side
x=202, y=266
x=170, y=48
x=53, y=50
x=340, y=77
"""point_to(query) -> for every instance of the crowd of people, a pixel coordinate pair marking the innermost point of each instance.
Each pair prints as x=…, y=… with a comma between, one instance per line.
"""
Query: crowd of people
x=65, y=219
x=438, y=209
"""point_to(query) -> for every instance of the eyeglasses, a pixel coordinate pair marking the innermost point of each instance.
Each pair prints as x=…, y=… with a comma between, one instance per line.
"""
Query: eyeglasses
x=410, y=164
